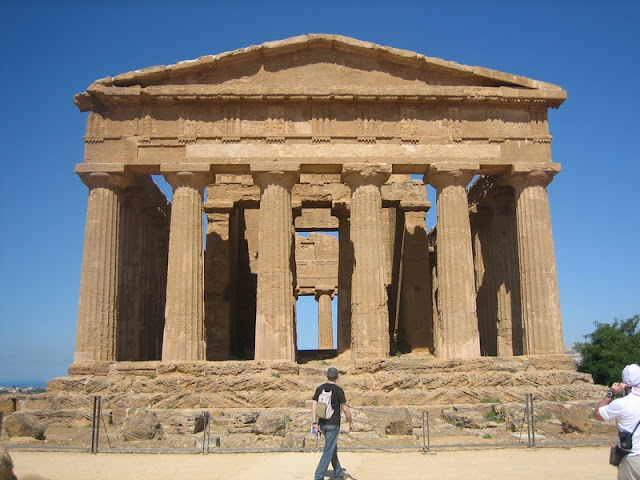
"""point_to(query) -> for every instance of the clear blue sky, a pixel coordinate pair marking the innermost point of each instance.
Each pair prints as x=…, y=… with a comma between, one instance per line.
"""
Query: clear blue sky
x=51, y=50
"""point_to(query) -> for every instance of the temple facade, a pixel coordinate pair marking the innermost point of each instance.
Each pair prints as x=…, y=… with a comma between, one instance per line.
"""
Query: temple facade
x=338, y=138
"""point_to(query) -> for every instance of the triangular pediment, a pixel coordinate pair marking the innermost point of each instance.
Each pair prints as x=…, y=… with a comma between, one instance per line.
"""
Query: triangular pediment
x=314, y=65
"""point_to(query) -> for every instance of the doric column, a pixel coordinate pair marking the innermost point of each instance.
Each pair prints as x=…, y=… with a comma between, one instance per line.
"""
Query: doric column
x=130, y=326
x=96, y=338
x=457, y=329
x=184, y=311
x=505, y=262
x=415, y=299
x=275, y=299
x=325, y=321
x=369, y=308
x=541, y=318
x=217, y=285
x=345, y=272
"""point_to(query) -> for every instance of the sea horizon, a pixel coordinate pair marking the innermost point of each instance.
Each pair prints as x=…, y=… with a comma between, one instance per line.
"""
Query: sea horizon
x=23, y=383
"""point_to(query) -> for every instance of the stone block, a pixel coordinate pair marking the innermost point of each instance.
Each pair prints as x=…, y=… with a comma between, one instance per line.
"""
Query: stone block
x=8, y=404
x=141, y=425
x=6, y=465
x=20, y=424
x=271, y=423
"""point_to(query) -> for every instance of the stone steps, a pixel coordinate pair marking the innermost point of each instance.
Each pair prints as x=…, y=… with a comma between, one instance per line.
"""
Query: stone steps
x=418, y=381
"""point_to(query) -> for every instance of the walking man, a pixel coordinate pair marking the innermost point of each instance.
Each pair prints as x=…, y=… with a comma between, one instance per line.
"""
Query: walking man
x=330, y=427
x=626, y=412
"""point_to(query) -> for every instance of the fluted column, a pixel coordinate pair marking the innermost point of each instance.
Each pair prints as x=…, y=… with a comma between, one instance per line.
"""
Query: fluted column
x=345, y=272
x=96, y=338
x=541, y=318
x=415, y=300
x=217, y=283
x=369, y=308
x=184, y=337
x=457, y=335
x=505, y=260
x=275, y=299
x=129, y=319
x=325, y=321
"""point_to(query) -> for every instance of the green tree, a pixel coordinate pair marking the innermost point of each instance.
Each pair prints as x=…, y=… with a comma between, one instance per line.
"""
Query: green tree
x=610, y=348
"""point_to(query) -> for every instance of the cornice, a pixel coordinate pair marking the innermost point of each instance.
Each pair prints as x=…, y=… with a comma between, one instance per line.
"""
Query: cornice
x=108, y=95
x=142, y=86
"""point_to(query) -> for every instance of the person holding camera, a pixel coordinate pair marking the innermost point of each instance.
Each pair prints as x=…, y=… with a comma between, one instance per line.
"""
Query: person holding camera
x=625, y=411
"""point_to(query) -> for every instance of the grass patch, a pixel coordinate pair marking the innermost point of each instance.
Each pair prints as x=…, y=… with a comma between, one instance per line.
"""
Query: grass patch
x=491, y=415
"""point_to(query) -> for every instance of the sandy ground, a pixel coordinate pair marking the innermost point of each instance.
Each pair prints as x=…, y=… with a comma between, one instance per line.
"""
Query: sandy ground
x=581, y=463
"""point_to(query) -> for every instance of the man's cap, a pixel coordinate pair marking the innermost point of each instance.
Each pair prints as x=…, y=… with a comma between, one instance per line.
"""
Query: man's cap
x=332, y=373
x=631, y=375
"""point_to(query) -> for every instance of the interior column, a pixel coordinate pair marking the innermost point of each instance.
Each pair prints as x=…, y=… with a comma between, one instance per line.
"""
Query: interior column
x=325, y=320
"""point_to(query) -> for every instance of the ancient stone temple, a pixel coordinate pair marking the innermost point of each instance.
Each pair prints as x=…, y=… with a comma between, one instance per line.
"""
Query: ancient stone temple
x=318, y=133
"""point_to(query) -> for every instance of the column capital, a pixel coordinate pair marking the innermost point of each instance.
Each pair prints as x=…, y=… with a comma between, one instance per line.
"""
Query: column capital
x=324, y=290
x=441, y=175
x=279, y=173
x=106, y=179
x=358, y=174
x=530, y=174
x=187, y=175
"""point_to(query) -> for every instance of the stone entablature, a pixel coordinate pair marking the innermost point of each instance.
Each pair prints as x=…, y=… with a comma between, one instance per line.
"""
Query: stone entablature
x=318, y=133
x=414, y=109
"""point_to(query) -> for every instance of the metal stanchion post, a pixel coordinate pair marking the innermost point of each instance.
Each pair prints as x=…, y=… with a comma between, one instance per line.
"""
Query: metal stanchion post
x=527, y=415
x=424, y=434
x=531, y=430
x=206, y=433
x=95, y=427
x=428, y=433
x=533, y=423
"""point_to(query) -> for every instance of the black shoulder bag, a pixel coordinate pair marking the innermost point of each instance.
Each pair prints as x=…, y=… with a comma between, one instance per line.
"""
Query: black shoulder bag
x=620, y=451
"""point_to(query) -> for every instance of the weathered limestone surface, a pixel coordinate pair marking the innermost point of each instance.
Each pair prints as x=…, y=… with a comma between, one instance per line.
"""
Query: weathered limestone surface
x=184, y=337
x=275, y=304
x=318, y=134
x=456, y=334
x=369, y=309
x=496, y=267
x=420, y=380
x=325, y=324
x=6, y=465
x=536, y=253
x=250, y=400
x=98, y=309
x=415, y=316
x=22, y=424
x=317, y=263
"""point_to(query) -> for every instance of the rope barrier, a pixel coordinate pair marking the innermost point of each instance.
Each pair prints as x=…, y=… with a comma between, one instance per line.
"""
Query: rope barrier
x=460, y=427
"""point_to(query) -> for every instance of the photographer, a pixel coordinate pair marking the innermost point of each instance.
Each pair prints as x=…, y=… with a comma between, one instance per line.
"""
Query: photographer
x=625, y=411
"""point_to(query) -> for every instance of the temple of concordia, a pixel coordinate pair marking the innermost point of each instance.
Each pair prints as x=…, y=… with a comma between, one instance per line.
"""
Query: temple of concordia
x=318, y=133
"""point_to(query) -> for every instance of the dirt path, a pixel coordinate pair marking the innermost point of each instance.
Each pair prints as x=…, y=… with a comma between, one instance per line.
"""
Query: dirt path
x=582, y=463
